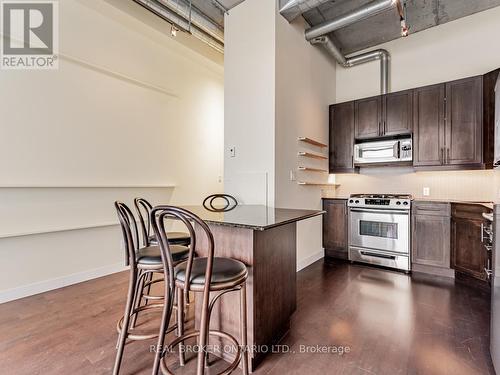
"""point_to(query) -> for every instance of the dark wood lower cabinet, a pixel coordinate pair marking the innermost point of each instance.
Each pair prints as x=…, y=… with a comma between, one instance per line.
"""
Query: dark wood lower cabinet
x=468, y=253
x=431, y=225
x=335, y=228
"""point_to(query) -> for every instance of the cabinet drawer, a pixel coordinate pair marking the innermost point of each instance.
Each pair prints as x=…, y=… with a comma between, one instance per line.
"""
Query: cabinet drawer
x=431, y=208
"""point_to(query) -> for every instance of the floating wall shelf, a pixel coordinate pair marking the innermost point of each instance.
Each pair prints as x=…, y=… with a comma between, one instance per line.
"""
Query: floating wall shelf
x=312, y=156
x=312, y=142
x=308, y=169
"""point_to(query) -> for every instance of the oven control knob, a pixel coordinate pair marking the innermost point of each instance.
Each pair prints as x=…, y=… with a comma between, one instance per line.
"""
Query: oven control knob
x=356, y=201
x=351, y=201
x=405, y=203
x=398, y=203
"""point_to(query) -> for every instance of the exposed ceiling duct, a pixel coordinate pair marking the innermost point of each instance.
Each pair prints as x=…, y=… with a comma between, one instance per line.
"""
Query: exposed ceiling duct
x=188, y=18
x=318, y=35
x=291, y=9
x=361, y=13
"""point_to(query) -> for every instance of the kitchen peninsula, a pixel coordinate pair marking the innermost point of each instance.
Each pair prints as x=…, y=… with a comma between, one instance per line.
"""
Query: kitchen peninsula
x=265, y=239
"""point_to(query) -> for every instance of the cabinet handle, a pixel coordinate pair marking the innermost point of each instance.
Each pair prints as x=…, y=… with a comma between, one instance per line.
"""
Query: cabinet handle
x=448, y=155
x=482, y=232
x=379, y=128
x=441, y=158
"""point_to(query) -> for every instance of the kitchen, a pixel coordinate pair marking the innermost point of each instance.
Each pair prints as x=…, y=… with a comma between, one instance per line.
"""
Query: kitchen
x=357, y=138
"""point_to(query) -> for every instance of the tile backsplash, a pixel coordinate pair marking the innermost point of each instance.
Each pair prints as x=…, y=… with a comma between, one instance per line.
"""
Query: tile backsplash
x=459, y=185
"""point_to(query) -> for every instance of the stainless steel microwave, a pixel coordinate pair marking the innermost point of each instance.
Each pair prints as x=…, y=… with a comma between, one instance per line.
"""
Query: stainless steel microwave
x=383, y=151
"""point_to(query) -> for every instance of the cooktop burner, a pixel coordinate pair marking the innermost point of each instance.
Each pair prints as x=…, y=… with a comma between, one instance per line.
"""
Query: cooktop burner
x=382, y=196
x=381, y=201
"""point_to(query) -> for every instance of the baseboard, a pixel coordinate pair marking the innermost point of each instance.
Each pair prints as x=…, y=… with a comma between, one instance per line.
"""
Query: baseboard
x=438, y=271
x=59, y=282
x=303, y=263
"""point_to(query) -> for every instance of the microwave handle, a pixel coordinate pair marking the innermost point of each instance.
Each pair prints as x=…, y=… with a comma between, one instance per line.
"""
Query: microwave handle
x=397, y=150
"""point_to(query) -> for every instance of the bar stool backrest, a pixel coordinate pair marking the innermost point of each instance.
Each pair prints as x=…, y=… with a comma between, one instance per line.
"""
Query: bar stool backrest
x=130, y=232
x=143, y=209
x=230, y=202
x=158, y=217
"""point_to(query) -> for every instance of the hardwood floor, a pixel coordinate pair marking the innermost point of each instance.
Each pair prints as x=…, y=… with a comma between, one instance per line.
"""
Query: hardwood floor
x=391, y=323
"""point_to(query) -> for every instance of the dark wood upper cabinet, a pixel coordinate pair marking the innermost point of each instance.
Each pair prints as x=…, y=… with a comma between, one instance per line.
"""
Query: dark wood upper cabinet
x=341, y=137
x=385, y=115
x=335, y=228
x=398, y=113
x=452, y=124
x=489, y=83
x=428, y=126
x=368, y=118
x=468, y=253
x=464, y=122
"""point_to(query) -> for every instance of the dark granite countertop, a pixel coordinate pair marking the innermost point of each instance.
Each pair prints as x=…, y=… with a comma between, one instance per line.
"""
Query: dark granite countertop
x=487, y=204
x=253, y=216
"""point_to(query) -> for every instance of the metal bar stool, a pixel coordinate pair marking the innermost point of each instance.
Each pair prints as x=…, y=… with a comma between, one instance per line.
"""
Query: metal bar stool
x=143, y=209
x=224, y=275
x=143, y=262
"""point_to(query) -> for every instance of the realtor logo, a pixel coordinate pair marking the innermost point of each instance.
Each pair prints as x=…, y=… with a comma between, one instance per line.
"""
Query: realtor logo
x=30, y=34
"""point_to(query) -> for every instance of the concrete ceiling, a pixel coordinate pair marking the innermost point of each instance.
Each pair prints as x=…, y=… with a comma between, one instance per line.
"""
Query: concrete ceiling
x=211, y=9
x=421, y=15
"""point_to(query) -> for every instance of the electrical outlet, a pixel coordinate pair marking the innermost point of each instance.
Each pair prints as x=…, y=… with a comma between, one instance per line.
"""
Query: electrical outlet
x=427, y=191
x=232, y=151
x=292, y=175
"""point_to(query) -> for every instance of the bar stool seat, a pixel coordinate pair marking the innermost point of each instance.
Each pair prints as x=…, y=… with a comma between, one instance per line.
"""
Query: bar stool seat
x=174, y=238
x=151, y=255
x=225, y=270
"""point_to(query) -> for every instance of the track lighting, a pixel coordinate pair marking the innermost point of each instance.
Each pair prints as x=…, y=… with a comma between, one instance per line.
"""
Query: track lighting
x=173, y=31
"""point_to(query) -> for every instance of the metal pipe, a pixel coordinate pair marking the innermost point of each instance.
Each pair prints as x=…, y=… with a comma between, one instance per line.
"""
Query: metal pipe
x=332, y=49
x=379, y=54
x=171, y=16
x=356, y=15
x=291, y=9
x=194, y=16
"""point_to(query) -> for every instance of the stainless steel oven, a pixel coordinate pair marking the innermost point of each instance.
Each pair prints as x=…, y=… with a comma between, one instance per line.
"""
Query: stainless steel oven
x=379, y=230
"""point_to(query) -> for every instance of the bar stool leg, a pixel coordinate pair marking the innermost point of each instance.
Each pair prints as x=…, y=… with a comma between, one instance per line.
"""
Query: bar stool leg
x=203, y=338
x=243, y=324
x=180, y=324
x=149, y=278
x=138, y=297
x=163, y=329
x=126, y=318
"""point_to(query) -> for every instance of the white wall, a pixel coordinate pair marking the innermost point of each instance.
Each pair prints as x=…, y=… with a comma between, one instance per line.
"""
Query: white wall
x=277, y=87
x=458, y=49
x=249, y=97
x=305, y=87
x=129, y=112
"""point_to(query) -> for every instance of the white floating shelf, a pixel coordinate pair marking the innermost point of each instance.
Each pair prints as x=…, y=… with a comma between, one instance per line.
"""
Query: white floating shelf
x=312, y=142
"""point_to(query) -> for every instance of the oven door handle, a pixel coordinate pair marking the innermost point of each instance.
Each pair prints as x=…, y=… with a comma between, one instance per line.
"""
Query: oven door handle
x=376, y=255
x=391, y=211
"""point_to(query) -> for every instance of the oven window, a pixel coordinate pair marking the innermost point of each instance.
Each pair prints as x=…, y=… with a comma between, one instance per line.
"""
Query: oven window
x=378, y=229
